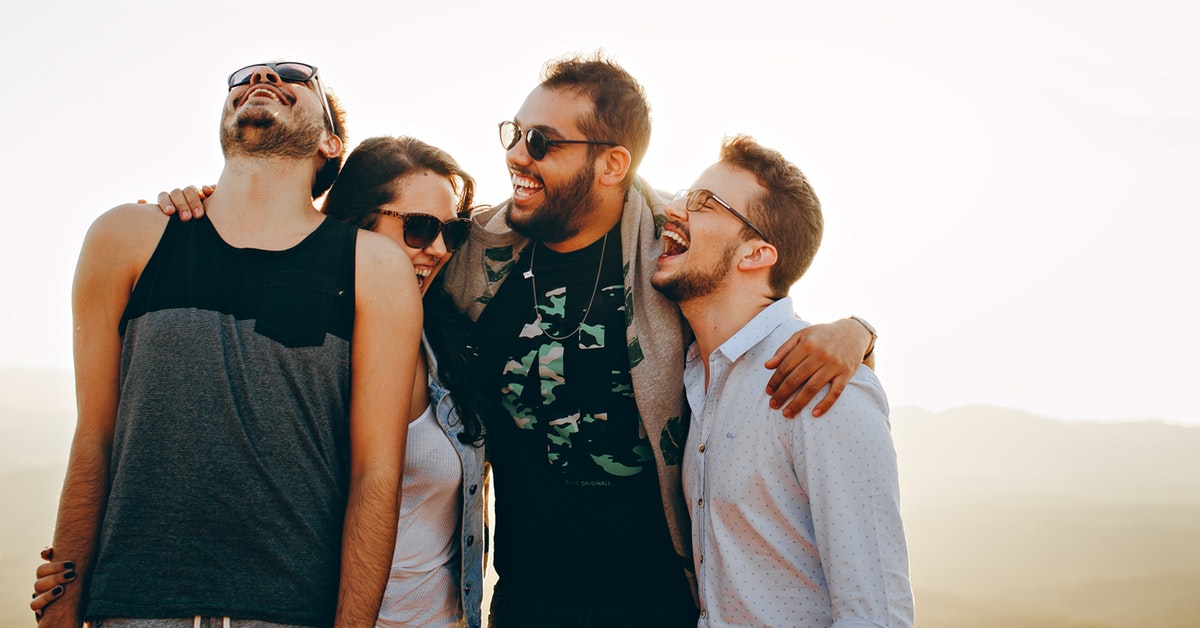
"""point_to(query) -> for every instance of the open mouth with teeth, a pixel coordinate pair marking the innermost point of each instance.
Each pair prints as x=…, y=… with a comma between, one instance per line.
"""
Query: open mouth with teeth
x=262, y=93
x=674, y=242
x=269, y=94
x=525, y=187
x=423, y=276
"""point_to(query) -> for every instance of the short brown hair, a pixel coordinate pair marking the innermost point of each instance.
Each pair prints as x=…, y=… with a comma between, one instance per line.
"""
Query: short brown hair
x=787, y=211
x=620, y=112
x=329, y=171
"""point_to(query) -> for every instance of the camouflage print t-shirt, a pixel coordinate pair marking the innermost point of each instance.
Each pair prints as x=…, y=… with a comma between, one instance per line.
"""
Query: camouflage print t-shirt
x=577, y=498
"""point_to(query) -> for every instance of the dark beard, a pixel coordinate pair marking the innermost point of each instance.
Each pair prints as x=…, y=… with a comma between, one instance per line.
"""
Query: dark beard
x=562, y=214
x=693, y=283
x=257, y=133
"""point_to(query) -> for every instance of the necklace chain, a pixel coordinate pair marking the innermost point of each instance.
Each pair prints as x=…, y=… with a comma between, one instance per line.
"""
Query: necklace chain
x=595, y=287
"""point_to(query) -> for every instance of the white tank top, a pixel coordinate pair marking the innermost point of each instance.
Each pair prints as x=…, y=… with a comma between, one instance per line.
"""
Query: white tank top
x=422, y=589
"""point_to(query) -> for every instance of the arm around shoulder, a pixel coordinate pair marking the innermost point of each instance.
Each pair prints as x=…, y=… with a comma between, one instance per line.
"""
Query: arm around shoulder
x=815, y=356
x=384, y=349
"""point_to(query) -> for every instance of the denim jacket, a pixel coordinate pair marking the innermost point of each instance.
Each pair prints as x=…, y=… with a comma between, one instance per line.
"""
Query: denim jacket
x=472, y=538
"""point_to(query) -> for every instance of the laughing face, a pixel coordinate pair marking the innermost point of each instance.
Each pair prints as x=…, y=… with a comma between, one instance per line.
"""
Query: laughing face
x=420, y=193
x=700, y=247
x=270, y=117
x=553, y=197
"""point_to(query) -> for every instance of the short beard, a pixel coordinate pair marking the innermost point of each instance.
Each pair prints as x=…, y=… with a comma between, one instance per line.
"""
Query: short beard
x=692, y=283
x=257, y=133
x=562, y=215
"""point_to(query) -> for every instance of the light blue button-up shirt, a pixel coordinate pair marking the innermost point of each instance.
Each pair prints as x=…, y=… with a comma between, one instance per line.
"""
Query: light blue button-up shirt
x=795, y=522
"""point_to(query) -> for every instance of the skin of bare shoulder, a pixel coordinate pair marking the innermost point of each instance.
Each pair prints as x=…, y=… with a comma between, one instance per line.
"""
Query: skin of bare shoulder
x=127, y=235
x=374, y=248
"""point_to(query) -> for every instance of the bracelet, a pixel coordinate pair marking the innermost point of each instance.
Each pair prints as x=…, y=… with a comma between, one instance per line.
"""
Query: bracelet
x=870, y=330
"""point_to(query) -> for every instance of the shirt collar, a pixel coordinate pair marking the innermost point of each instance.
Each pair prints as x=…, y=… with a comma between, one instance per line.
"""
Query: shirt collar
x=758, y=328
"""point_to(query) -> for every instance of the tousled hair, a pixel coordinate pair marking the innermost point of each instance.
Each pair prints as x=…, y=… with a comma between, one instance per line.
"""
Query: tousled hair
x=787, y=210
x=620, y=112
x=328, y=172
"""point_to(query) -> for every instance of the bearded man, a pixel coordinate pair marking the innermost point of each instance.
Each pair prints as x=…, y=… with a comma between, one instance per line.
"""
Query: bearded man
x=267, y=497
x=583, y=362
x=794, y=523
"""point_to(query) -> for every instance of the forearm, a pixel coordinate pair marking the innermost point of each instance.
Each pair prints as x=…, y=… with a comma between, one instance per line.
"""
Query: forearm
x=368, y=542
x=80, y=512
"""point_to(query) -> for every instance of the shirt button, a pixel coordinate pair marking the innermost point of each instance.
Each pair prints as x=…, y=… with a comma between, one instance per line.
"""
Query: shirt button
x=700, y=502
x=467, y=588
x=702, y=448
x=470, y=539
x=702, y=559
x=472, y=489
x=703, y=613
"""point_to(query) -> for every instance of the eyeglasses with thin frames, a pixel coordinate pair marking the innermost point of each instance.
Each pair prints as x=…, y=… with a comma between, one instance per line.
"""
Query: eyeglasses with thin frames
x=698, y=198
x=536, y=142
x=288, y=72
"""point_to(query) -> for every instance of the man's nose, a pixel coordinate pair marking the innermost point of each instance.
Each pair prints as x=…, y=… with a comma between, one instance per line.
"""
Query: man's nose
x=677, y=209
x=263, y=74
x=519, y=153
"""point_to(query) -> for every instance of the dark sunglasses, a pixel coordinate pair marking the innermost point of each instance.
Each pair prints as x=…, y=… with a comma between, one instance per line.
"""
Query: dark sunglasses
x=698, y=199
x=288, y=72
x=536, y=142
x=420, y=230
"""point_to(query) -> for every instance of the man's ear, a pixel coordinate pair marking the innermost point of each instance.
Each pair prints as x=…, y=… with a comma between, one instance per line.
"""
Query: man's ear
x=331, y=147
x=763, y=255
x=613, y=164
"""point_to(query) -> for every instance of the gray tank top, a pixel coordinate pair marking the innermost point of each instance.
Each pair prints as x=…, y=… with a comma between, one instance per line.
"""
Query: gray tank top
x=230, y=455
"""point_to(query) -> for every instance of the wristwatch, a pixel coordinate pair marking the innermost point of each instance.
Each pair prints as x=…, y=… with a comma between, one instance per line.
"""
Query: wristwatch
x=870, y=330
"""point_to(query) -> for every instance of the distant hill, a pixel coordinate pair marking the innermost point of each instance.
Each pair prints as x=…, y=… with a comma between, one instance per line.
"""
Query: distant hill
x=1014, y=520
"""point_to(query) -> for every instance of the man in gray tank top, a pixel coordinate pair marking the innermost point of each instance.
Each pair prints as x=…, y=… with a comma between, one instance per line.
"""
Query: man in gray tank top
x=268, y=496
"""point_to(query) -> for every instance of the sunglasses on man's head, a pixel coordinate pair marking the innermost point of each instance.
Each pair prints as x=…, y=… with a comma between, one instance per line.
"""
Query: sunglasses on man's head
x=288, y=72
x=420, y=230
x=536, y=142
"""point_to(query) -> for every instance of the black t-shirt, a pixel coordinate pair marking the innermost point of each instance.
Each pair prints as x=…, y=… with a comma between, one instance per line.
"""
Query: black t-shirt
x=577, y=495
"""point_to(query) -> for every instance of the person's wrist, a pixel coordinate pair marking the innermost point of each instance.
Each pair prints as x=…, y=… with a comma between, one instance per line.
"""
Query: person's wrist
x=870, y=330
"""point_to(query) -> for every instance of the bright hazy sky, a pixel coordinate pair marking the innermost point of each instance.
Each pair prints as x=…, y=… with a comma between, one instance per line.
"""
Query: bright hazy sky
x=1009, y=187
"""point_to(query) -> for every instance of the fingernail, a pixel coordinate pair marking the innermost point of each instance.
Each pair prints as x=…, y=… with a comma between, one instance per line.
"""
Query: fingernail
x=169, y=208
x=57, y=590
x=70, y=575
x=818, y=412
x=70, y=564
x=774, y=404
